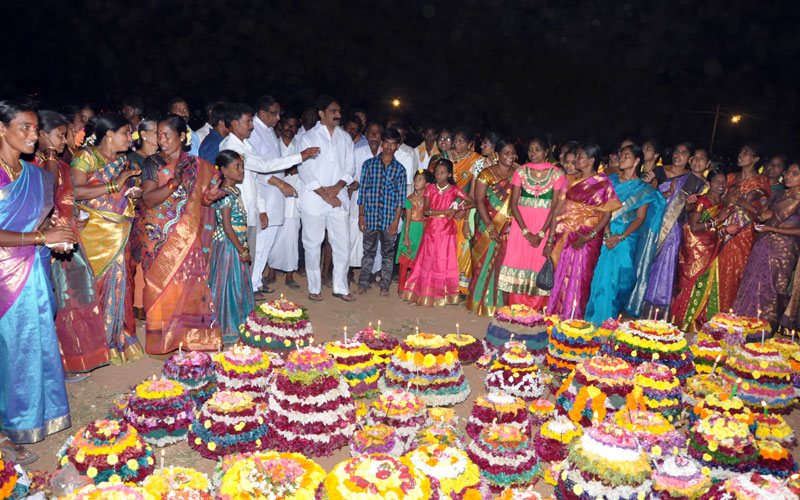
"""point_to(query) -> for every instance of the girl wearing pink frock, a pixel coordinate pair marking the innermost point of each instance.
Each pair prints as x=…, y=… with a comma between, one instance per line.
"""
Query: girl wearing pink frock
x=434, y=278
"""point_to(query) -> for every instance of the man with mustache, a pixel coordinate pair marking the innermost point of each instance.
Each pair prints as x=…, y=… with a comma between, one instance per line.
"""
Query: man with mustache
x=324, y=203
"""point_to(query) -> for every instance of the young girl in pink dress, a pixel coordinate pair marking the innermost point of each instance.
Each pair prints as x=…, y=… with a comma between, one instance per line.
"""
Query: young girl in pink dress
x=434, y=278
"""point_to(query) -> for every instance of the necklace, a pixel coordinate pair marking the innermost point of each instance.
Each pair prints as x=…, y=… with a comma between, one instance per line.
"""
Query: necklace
x=456, y=158
x=12, y=173
x=442, y=190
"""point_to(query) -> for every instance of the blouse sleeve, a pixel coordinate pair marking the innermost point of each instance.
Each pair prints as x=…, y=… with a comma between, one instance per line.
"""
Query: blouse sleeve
x=460, y=193
x=150, y=170
x=559, y=184
x=83, y=161
x=516, y=179
x=430, y=189
x=407, y=204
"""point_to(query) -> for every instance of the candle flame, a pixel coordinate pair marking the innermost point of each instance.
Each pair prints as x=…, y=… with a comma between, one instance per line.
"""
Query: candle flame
x=719, y=356
x=162, y=453
x=739, y=380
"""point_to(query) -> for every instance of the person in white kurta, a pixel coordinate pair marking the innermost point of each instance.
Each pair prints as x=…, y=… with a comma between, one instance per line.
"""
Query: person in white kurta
x=286, y=252
x=324, y=203
x=272, y=187
x=254, y=164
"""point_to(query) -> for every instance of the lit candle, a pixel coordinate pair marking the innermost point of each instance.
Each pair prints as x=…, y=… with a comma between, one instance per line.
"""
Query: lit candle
x=180, y=348
x=162, y=460
x=345, y=334
x=657, y=310
x=574, y=305
x=736, y=386
x=154, y=378
x=714, y=368
x=758, y=313
x=730, y=311
x=370, y=325
x=458, y=330
x=764, y=405
x=595, y=418
x=416, y=330
x=379, y=326
x=219, y=345
x=281, y=297
x=793, y=477
x=762, y=339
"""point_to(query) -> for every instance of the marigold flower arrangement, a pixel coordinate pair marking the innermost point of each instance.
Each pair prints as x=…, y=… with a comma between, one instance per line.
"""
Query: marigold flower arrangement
x=400, y=410
x=427, y=365
x=379, y=342
x=496, y=407
x=750, y=485
x=108, y=448
x=244, y=369
x=521, y=323
x=194, y=371
x=606, y=461
x=774, y=459
x=774, y=427
x=378, y=476
x=279, y=325
x=113, y=489
x=516, y=372
x=309, y=405
x=554, y=437
x=655, y=433
x=229, y=422
x=454, y=470
x=597, y=386
x=505, y=456
x=359, y=365
x=765, y=374
x=161, y=410
x=678, y=476
x=469, y=348
x=652, y=340
x=8, y=478
x=723, y=445
x=708, y=355
x=273, y=476
x=571, y=341
x=162, y=481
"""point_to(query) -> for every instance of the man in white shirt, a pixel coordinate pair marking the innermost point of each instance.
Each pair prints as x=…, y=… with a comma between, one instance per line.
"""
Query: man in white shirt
x=308, y=119
x=427, y=149
x=286, y=252
x=240, y=123
x=272, y=187
x=361, y=154
x=324, y=204
x=406, y=155
x=179, y=106
x=203, y=131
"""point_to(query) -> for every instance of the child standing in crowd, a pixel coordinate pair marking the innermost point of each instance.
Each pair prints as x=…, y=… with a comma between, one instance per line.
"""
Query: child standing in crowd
x=231, y=287
x=413, y=228
x=434, y=279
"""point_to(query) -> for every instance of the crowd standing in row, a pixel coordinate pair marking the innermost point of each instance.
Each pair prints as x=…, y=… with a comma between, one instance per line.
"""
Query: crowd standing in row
x=88, y=202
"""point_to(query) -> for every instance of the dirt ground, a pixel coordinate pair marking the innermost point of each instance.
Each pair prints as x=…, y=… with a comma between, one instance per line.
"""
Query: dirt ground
x=90, y=400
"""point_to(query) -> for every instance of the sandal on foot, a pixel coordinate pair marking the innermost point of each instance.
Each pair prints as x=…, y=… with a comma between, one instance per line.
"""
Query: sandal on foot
x=346, y=298
x=316, y=297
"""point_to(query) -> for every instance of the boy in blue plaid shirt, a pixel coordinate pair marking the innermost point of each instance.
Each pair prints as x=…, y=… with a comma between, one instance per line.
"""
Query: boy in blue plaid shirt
x=380, y=202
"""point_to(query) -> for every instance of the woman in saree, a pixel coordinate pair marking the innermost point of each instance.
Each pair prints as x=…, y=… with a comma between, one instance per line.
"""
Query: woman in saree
x=33, y=400
x=588, y=204
x=103, y=188
x=773, y=171
x=463, y=157
x=697, y=280
x=747, y=194
x=676, y=189
x=489, y=158
x=536, y=196
x=178, y=221
x=492, y=199
x=79, y=317
x=628, y=243
x=764, y=289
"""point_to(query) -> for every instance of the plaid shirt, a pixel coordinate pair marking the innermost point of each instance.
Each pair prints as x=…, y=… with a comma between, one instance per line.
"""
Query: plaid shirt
x=381, y=192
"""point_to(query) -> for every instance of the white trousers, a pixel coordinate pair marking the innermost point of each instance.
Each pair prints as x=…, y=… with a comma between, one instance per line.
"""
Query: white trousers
x=265, y=240
x=285, y=252
x=314, y=226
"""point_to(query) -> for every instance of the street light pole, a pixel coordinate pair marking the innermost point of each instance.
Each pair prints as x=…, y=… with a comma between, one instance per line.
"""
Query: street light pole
x=714, y=132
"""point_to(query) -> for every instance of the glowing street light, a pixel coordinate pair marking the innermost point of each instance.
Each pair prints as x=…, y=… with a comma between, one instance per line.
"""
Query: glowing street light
x=396, y=103
x=736, y=118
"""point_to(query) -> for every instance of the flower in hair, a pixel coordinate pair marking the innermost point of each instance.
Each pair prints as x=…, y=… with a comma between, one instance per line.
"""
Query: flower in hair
x=188, y=136
x=135, y=135
x=90, y=141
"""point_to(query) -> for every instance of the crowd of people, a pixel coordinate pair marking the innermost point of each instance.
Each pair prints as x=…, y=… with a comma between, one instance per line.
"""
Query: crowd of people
x=103, y=218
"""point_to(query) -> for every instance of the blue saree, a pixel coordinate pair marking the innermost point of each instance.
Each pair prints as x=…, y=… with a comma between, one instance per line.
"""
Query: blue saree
x=33, y=399
x=620, y=278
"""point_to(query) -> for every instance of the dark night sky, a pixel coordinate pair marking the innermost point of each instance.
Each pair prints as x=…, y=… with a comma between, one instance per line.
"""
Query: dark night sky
x=586, y=70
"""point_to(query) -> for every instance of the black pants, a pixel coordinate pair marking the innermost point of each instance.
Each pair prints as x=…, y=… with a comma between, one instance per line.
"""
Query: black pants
x=371, y=239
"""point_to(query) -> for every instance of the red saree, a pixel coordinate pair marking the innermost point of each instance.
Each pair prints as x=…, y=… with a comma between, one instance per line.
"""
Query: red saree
x=175, y=258
x=736, y=250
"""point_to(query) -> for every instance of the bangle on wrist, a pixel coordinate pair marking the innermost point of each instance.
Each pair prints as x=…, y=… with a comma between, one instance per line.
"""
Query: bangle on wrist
x=593, y=234
x=541, y=234
x=526, y=232
x=40, y=239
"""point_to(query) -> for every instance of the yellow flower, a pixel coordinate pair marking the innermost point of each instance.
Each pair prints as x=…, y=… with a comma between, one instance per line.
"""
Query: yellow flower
x=257, y=338
x=198, y=441
x=577, y=489
x=656, y=450
x=706, y=471
x=212, y=446
x=64, y=460
x=258, y=442
x=207, y=424
x=112, y=459
x=150, y=461
x=132, y=464
x=707, y=457
x=713, y=446
x=80, y=456
x=287, y=343
x=91, y=472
